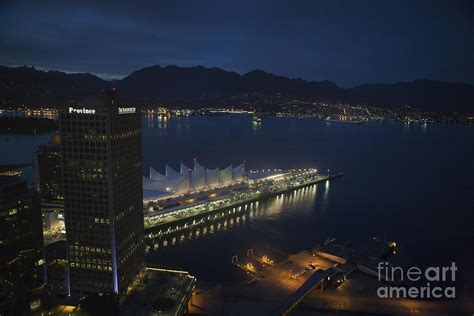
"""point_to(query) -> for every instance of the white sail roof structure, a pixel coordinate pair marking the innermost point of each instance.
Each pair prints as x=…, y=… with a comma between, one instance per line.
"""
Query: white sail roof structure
x=153, y=185
x=198, y=180
x=155, y=175
x=238, y=173
x=148, y=183
x=176, y=185
x=185, y=184
x=174, y=182
x=197, y=166
x=171, y=173
x=226, y=175
x=212, y=177
x=183, y=168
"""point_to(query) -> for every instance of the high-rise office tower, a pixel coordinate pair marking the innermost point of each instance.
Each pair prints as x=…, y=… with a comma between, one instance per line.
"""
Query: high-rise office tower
x=103, y=199
x=49, y=182
x=21, y=244
x=47, y=171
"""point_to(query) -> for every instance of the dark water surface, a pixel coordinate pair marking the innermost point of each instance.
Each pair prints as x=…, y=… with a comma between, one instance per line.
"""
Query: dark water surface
x=413, y=184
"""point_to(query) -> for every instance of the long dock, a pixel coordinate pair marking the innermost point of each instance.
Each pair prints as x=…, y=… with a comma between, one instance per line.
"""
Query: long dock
x=234, y=206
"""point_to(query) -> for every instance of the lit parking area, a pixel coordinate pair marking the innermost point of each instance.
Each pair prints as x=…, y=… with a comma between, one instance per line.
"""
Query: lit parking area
x=284, y=278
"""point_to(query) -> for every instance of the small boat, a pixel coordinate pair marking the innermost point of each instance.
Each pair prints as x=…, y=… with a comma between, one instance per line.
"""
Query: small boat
x=256, y=119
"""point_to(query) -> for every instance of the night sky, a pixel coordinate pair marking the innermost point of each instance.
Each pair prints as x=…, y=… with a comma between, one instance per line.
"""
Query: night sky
x=347, y=42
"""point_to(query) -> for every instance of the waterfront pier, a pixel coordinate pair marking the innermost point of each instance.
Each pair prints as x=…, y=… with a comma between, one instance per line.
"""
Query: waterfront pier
x=182, y=218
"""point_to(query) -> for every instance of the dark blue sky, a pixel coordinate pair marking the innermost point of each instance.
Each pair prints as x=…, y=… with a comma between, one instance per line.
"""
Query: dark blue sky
x=348, y=42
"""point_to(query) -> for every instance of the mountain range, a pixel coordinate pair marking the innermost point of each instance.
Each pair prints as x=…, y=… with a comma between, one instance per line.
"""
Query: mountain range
x=151, y=85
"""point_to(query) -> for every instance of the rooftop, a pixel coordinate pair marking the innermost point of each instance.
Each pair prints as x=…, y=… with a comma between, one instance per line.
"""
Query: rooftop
x=159, y=291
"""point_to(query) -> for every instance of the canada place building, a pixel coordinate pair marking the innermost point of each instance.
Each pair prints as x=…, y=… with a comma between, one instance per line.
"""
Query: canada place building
x=103, y=198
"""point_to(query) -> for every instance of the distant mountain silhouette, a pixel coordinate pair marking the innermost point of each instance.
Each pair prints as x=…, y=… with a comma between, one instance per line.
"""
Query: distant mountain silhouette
x=26, y=85
x=156, y=82
x=420, y=93
x=152, y=83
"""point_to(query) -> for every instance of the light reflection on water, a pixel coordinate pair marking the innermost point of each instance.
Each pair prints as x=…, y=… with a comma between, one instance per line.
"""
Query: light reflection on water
x=175, y=249
x=269, y=210
x=394, y=180
x=412, y=183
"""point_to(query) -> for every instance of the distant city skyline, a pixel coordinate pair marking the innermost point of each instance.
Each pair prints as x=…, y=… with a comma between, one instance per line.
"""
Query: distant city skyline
x=346, y=42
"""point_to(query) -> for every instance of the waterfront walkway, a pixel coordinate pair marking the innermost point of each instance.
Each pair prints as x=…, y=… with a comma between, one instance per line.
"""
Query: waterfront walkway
x=171, y=220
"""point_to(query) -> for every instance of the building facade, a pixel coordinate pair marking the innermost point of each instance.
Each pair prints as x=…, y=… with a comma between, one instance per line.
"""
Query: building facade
x=48, y=182
x=56, y=268
x=21, y=244
x=103, y=199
